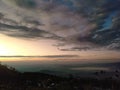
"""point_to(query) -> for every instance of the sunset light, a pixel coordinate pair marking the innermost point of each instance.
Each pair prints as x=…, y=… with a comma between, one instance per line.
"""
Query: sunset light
x=60, y=44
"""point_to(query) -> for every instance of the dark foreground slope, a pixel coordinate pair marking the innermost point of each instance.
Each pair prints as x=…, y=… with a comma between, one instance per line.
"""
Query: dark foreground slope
x=10, y=79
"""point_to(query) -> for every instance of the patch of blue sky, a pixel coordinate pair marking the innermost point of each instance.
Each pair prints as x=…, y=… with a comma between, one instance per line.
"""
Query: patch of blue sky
x=108, y=21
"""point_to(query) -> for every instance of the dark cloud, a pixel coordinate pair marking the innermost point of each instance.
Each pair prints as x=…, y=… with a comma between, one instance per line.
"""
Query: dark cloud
x=1, y=15
x=31, y=21
x=76, y=49
x=50, y=56
x=26, y=32
x=9, y=21
x=61, y=56
x=81, y=24
x=26, y=3
x=102, y=11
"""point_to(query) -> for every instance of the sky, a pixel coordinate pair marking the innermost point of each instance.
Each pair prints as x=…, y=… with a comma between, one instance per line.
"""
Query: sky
x=60, y=29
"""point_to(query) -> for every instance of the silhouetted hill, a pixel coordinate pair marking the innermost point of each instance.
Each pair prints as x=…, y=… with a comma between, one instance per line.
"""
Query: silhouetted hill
x=8, y=73
x=10, y=79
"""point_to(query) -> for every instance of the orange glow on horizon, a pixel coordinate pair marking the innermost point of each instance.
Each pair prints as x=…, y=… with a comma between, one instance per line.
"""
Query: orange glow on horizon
x=18, y=47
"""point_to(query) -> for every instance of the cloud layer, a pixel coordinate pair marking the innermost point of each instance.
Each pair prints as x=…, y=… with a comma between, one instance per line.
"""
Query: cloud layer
x=75, y=24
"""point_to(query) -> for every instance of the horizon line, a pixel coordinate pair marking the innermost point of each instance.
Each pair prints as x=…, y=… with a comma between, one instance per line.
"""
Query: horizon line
x=42, y=56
